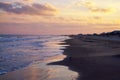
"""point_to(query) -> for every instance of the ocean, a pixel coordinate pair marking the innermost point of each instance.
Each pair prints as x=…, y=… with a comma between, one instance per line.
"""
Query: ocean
x=17, y=51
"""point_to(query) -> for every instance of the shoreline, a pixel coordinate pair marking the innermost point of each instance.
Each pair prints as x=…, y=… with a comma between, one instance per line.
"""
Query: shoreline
x=93, y=57
x=90, y=46
x=85, y=57
x=41, y=70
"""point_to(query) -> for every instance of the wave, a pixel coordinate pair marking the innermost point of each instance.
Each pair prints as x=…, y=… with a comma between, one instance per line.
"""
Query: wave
x=20, y=51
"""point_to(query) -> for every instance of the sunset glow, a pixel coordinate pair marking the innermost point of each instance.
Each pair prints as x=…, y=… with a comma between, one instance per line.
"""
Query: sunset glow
x=58, y=16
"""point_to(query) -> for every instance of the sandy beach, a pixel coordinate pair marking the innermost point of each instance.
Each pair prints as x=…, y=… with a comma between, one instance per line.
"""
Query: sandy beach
x=28, y=58
x=59, y=40
x=94, y=57
x=85, y=57
x=92, y=46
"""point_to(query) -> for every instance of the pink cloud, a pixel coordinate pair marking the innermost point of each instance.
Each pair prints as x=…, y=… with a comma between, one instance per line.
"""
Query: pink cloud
x=33, y=9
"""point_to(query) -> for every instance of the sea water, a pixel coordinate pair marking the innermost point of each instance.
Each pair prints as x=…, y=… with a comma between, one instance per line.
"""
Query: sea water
x=17, y=51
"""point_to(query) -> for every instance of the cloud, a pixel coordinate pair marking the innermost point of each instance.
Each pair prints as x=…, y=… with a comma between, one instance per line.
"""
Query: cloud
x=91, y=6
x=53, y=28
x=104, y=10
x=27, y=1
x=97, y=17
x=33, y=9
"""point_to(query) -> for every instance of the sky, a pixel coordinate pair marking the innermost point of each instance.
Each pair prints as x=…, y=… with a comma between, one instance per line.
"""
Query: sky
x=51, y=17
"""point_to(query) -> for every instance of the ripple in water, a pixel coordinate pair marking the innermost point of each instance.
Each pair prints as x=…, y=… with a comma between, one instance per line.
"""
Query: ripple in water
x=19, y=51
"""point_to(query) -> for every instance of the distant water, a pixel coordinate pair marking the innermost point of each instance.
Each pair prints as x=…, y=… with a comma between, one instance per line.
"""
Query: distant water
x=19, y=51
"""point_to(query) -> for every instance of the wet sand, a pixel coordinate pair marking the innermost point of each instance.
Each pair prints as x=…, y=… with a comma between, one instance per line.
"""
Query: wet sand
x=40, y=70
x=87, y=58
x=94, y=58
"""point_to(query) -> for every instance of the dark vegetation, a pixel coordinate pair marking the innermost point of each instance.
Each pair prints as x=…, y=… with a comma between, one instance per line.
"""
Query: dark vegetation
x=113, y=33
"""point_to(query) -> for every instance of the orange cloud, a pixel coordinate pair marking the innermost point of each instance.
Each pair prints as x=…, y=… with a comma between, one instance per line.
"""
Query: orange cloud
x=33, y=9
x=29, y=0
x=103, y=10
x=91, y=6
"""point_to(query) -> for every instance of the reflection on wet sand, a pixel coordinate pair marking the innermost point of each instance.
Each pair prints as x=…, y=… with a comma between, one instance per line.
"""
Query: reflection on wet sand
x=94, y=58
x=40, y=70
x=29, y=73
x=93, y=68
